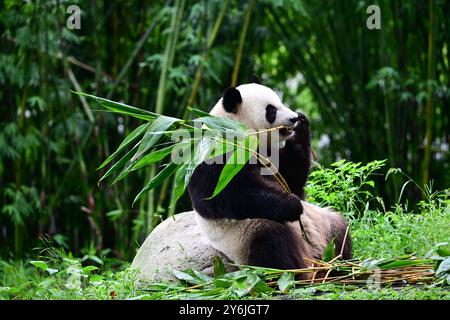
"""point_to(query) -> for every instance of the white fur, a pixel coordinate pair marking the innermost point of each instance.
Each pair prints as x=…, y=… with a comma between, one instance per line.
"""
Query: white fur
x=227, y=236
x=252, y=111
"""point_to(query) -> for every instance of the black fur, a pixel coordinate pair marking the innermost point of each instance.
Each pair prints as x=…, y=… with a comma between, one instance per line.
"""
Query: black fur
x=271, y=113
x=231, y=99
x=255, y=79
x=274, y=245
x=248, y=195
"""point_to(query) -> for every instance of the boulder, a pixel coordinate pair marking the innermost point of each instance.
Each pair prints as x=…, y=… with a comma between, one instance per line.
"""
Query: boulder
x=176, y=243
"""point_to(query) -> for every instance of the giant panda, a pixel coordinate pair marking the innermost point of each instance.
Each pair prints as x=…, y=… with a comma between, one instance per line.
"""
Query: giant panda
x=253, y=221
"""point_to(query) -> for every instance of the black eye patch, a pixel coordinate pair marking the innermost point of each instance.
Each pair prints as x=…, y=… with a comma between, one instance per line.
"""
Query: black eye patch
x=271, y=113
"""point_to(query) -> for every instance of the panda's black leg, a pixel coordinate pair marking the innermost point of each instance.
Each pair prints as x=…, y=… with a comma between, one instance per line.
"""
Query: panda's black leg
x=274, y=245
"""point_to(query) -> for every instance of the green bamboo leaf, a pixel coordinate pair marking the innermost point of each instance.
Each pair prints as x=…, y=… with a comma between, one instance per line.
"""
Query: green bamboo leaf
x=146, y=160
x=153, y=157
x=252, y=283
x=286, y=281
x=185, y=170
x=136, y=133
x=199, y=112
x=157, y=180
x=88, y=269
x=219, y=267
x=443, y=251
x=51, y=271
x=179, y=185
x=202, y=150
x=121, y=108
x=202, y=276
x=219, y=146
x=183, y=276
x=127, y=157
x=329, y=252
x=234, y=165
x=402, y=263
x=222, y=124
x=444, y=267
x=39, y=264
x=154, y=133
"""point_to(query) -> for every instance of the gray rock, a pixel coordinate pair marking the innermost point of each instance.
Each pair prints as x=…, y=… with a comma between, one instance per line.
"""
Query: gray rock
x=176, y=243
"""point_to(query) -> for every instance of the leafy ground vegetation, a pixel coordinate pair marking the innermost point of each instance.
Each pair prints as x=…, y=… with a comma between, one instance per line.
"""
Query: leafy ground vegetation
x=408, y=244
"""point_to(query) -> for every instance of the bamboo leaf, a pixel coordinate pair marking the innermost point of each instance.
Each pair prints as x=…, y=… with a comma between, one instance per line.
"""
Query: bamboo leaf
x=185, y=171
x=185, y=277
x=202, y=276
x=234, y=165
x=157, y=180
x=202, y=149
x=121, y=108
x=219, y=267
x=179, y=185
x=444, y=267
x=136, y=133
x=127, y=157
x=401, y=263
x=286, y=281
x=146, y=160
x=199, y=112
x=152, y=157
x=329, y=252
x=222, y=124
x=153, y=134
x=39, y=264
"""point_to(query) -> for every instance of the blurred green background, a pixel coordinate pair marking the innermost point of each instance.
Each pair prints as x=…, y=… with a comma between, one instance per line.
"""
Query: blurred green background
x=370, y=94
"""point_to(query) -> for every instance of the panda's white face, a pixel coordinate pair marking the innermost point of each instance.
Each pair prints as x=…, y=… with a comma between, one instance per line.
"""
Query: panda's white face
x=257, y=106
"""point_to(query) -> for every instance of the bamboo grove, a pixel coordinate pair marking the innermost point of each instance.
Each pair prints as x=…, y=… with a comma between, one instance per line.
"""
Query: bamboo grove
x=370, y=94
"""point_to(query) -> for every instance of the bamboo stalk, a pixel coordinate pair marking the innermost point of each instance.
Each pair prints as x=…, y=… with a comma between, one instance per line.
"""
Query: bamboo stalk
x=211, y=38
x=431, y=75
x=132, y=57
x=237, y=64
x=169, y=54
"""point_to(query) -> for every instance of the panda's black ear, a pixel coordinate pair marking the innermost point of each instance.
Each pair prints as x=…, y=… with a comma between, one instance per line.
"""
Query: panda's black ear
x=255, y=79
x=231, y=99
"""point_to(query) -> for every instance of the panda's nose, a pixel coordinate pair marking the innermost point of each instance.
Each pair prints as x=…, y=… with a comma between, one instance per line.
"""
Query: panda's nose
x=294, y=120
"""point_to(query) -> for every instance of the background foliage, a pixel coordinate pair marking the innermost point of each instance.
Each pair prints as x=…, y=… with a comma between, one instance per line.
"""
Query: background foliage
x=370, y=94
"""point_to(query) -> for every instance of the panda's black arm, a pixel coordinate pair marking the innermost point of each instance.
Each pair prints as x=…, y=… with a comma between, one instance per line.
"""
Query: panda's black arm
x=248, y=195
x=295, y=158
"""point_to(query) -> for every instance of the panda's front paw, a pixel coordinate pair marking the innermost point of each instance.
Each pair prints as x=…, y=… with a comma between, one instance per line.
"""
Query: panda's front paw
x=301, y=129
x=302, y=125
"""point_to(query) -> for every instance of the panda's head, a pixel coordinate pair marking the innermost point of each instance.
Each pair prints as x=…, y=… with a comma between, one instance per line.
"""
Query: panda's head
x=256, y=106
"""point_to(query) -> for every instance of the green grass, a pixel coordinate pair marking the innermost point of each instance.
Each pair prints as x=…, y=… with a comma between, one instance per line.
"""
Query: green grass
x=378, y=232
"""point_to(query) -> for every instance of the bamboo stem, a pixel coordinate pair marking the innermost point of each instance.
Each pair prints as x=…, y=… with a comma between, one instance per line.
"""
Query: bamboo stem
x=237, y=64
x=431, y=75
x=211, y=38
